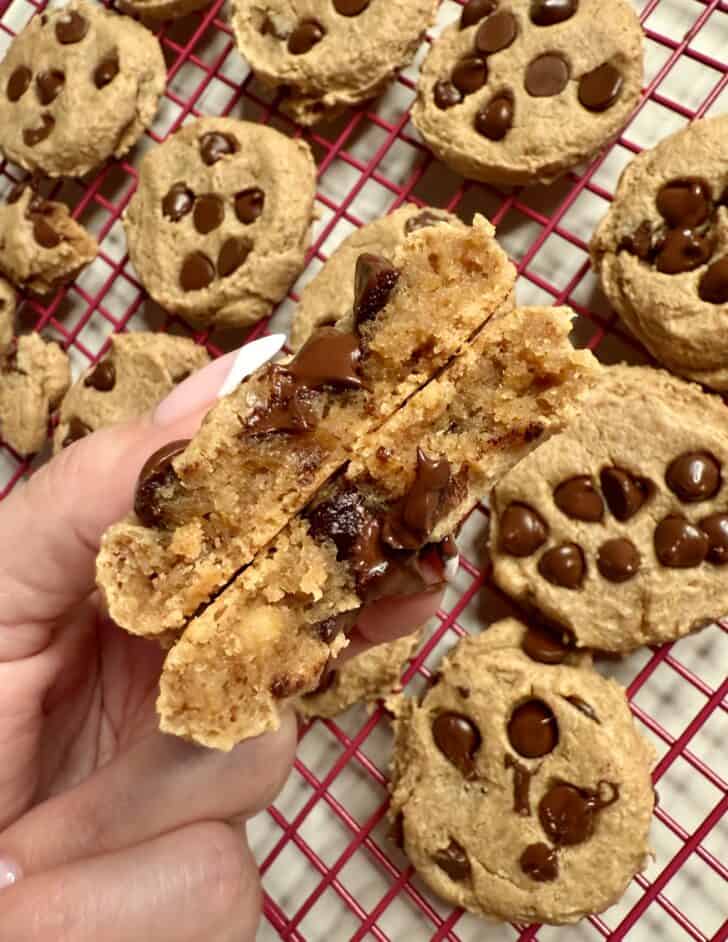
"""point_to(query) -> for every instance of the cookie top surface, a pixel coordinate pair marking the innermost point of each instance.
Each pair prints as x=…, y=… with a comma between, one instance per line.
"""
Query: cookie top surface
x=662, y=251
x=518, y=92
x=219, y=224
x=78, y=85
x=7, y=314
x=523, y=789
x=617, y=527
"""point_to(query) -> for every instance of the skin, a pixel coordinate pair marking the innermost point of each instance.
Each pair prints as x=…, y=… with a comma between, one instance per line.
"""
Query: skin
x=116, y=831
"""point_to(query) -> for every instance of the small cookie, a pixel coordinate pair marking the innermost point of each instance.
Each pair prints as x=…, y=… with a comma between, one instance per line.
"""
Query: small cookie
x=662, y=251
x=163, y=9
x=219, y=224
x=617, y=527
x=77, y=86
x=521, y=791
x=518, y=91
x=7, y=314
x=41, y=245
x=137, y=372
x=329, y=54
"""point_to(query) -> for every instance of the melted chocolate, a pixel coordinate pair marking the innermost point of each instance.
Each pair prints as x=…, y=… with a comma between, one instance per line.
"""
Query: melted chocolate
x=454, y=861
x=409, y=524
x=539, y=862
x=156, y=477
x=373, y=283
x=521, y=786
x=567, y=812
x=458, y=739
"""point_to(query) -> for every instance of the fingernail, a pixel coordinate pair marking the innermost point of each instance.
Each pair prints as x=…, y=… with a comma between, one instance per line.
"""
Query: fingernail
x=249, y=358
x=10, y=872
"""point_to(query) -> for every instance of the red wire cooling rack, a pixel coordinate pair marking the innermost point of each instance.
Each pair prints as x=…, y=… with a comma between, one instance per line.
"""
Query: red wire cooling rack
x=328, y=870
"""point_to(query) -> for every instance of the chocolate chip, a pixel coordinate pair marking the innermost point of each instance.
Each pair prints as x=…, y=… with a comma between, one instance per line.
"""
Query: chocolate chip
x=422, y=221
x=249, y=204
x=713, y=287
x=341, y=519
x=409, y=524
x=533, y=730
x=496, y=33
x=542, y=644
x=197, y=272
x=539, y=862
x=550, y=12
x=44, y=234
x=458, y=739
x=624, y=493
x=214, y=146
x=106, y=71
x=684, y=203
x=351, y=7
x=715, y=527
x=521, y=786
x=639, y=243
x=496, y=119
x=454, y=861
x=618, y=560
x=470, y=74
x=567, y=813
x=694, y=476
x=305, y=36
x=446, y=95
x=33, y=136
x=579, y=499
x=563, y=565
x=71, y=27
x=586, y=708
x=232, y=255
x=178, y=202
x=102, y=377
x=374, y=281
x=679, y=544
x=155, y=483
x=209, y=213
x=49, y=84
x=600, y=88
x=18, y=83
x=330, y=628
x=683, y=250
x=522, y=530
x=475, y=10
x=76, y=430
x=547, y=75
x=329, y=357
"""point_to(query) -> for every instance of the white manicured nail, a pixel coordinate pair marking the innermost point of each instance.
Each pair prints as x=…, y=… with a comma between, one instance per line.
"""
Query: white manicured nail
x=249, y=359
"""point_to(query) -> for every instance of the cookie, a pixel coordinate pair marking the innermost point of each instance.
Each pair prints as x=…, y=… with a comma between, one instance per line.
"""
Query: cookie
x=78, y=85
x=163, y=9
x=268, y=637
x=139, y=370
x=332, y=54
x=41, y=245
x=7, y=314
x=219, y=224
x=661, y=251
x=290, y=426
x=330, y=294
x=521, y=791
x=617, y=527
x=518, y=92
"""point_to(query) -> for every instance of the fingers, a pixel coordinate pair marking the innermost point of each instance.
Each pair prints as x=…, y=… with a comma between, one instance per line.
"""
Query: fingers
x=389, y=619
x=199, y=882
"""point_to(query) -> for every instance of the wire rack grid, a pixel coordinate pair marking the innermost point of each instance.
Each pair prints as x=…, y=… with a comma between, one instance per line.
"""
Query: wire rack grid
x=329, y=871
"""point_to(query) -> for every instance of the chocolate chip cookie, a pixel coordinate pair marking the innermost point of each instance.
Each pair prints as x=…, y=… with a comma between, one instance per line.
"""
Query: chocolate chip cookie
x=219, y=224
x=329, y=54
x=78, y=85
x=518, y=91
x=617, y=527
x=521, y=791
x=137, y=372
x=662, y=251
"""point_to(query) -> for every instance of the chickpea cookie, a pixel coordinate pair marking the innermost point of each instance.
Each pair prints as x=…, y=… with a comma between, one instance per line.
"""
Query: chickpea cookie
x=220, y=222
x=77, y=86
x=329, y=54
x=163, y=9
x=519, y=91
x=661, y=251
x=616, y=528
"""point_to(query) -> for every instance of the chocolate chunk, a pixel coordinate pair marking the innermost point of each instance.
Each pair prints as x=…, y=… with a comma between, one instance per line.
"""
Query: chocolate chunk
x=470, y=74
x=422, y=221
x=567, y=813
x=454, y=861
x=496, y=33
x=475, y=10
x=542, y=644
x=351, y=7
x=290, y=407
x=679, y=544
x=71, y=28
x=694, y=476
x=639, y=243
x=249, y=204
x=232, y=255
x=521, y=786
x=17, y=191
x=579, y=499
x=178, y=202
x=713, y=287
x=458, y=739
x=539, y=862
x=685, y=203
x=496, y=119
x=330, y=628
x=522, y=530
x=374, y=281
x=209, y=213
x=329, y=357
x=341, y=519
x=533, y=730
x=214, y=146
x=49, y=84
x=156, y=482
x=618, y=560
x=102, y=377
x=18, y=83
x=625, y=493
x=550, y=12
x=106, y=71
x=44, y=234
x=305, y=36
x=409, y=525
x=446, y=95
x=715, y=527
x=586, y=708
x=600, y=88
x=33, y=136
x=683, y=250
x=197, y=272
x=76, y=430
x=547, y=75
x=563, y=565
